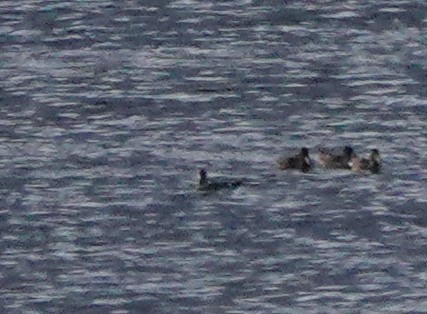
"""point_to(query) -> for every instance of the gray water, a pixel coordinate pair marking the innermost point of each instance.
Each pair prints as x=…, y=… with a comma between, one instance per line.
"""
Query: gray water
x=109, y=108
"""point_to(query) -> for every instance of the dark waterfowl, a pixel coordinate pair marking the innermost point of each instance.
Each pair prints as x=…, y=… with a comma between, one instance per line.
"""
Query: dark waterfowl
x=331, y=161
x=208, y=185
x=373, y=163
x=300, y=161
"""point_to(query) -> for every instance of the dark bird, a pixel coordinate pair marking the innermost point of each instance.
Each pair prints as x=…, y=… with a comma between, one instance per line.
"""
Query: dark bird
x=331, y=161
x=211, y=185
x=301, y=161
x=373, y=163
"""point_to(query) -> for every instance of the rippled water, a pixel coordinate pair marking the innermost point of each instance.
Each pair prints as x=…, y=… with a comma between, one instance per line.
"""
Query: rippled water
x=109, y=108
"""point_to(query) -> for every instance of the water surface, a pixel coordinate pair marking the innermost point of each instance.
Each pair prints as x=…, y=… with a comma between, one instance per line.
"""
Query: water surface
x=108, y=109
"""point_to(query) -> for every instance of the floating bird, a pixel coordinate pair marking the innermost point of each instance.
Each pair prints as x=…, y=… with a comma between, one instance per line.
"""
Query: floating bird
x=300, y=161
x=331, y=161
x=373, y=163
x=210, y=185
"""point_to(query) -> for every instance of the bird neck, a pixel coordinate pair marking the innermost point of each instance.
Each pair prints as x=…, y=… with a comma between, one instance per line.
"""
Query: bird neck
x=203, y=180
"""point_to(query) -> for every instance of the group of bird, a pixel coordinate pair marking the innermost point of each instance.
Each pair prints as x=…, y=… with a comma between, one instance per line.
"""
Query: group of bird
x=347, y=160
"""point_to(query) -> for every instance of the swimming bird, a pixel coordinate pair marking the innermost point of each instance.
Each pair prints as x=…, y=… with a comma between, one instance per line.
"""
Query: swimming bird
x=373, y=163
x=331, y=161
x=300, y=161
x=209, y=185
